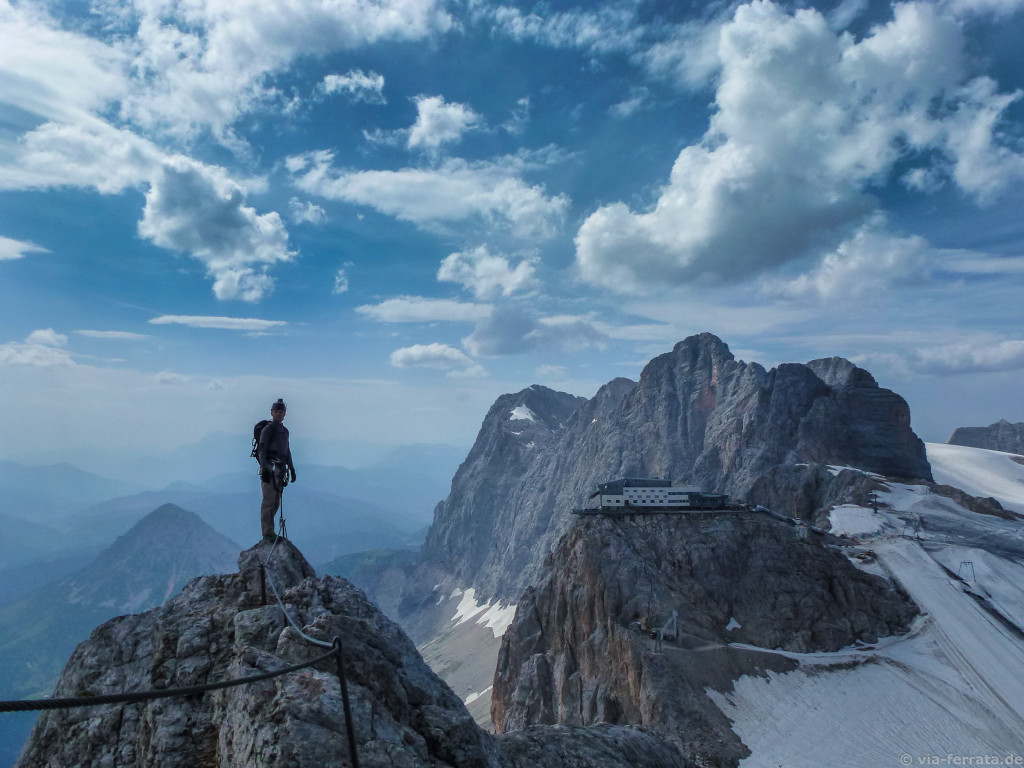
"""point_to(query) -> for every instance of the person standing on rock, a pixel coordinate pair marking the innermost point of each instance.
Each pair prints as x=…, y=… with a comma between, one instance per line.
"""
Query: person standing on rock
x=275, y=457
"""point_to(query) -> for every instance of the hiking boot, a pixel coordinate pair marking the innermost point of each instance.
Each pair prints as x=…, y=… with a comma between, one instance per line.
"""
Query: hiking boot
x=270, y=537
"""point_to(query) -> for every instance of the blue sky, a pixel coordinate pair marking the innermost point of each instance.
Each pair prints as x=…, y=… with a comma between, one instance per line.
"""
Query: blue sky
x=390, y=213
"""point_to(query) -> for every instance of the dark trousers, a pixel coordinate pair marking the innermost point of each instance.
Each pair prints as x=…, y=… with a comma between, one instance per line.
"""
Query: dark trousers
x=271, y=501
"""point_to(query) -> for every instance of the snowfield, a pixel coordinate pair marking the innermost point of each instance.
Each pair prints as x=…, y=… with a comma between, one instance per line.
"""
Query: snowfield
x=979, y=472
x=951, y=691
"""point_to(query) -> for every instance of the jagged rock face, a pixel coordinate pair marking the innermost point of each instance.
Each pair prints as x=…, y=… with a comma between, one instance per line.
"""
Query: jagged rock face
x=697, y=415
x=570, y=656
x=515, y=429
x=218, y=629
x=1001, y=436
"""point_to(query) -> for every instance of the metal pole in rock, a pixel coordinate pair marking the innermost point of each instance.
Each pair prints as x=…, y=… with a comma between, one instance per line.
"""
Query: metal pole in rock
x=284, y=528
x=344, y=700
x=263, y=584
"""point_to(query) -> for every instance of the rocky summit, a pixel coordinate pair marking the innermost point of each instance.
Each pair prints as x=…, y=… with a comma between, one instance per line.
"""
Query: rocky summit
x=698, y=415
x=218, y=629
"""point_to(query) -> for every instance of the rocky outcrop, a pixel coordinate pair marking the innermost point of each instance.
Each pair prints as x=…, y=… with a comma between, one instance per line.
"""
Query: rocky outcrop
x=218, y=629
x=1001, y=436
x=574, y=655
x=697, y=415
x=515, y=430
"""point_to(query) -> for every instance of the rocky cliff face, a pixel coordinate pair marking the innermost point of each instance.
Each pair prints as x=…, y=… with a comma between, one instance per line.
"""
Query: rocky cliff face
x=1001, y=436
x=697, y=415
x=217, y=629
x=515, y=430
x=572, y=656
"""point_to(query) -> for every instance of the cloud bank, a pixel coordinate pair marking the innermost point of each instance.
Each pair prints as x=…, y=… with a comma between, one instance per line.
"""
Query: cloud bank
x=806, y=121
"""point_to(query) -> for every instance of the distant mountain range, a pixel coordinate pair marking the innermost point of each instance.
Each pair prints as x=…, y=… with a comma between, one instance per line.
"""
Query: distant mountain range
x=140, y=570
x=47, y=492
x=56, y=512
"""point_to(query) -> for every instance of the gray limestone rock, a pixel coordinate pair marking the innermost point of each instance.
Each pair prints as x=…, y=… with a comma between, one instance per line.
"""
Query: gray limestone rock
x=217, y=629
x=574, y=654
x=697, y=415
x=1001, y=436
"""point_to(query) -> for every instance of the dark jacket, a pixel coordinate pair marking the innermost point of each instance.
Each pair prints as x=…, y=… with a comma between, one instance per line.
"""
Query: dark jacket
x=273, y=447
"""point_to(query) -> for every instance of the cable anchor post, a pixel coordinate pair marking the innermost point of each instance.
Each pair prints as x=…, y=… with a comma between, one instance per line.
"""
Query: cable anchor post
x=282, y=524
x=349, y=728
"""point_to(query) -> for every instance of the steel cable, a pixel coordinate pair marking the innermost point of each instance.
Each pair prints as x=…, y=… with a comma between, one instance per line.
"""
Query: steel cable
x=33, y=705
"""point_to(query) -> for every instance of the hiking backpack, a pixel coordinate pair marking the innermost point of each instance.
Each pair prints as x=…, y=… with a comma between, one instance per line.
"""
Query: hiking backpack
x=256, y=430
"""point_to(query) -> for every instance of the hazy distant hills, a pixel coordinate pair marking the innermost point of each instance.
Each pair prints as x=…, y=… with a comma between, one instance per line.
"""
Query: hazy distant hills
x=222, y=453
x=320, y=523
x=57, y=511
x=140, y=570
x=55, y=489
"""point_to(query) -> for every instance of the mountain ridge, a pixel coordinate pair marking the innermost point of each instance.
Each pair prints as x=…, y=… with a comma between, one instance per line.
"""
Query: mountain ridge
x=696, y=415
x=999, y=436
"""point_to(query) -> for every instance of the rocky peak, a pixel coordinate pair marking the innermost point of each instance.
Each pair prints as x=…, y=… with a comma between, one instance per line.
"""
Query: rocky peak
x=218, y=629
x=515, y=428
x=696, y=415
x=152, y=561
x=840, y=372
x=284, y=562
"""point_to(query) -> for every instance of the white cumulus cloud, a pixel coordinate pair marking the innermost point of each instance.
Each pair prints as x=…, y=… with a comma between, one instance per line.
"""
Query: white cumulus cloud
x=438, y=122
x=47, y=337
x=306, y=212
x=438, y=356
x=41, y=348
x=968, y=357
x=509, y=330
x=864, y=265
x=806, y=120
x=340, y=281
x=606, y=29
x=488, y=274
x=357, y=85
x=15, y=249
x=455, y=191
x=203, y=64
x=195, y=209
